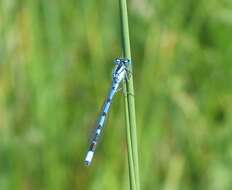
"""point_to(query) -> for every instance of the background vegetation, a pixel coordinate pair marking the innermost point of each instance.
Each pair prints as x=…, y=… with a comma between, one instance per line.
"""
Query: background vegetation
x=55, y=68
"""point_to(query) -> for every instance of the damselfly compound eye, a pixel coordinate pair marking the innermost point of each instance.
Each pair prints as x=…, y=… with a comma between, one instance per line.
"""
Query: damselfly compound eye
x=117, y=61
x=126, y=62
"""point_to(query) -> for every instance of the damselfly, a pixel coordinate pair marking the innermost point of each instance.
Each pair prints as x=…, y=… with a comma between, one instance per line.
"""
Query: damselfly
x=120, y=72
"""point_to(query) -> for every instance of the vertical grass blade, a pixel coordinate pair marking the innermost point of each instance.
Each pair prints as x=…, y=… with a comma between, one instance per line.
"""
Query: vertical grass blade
x=129, y=103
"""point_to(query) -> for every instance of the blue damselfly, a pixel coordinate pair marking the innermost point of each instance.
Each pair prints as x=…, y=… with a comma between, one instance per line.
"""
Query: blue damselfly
x=120, y=72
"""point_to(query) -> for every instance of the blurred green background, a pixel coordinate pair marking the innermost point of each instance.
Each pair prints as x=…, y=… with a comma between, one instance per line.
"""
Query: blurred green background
x=55, y=68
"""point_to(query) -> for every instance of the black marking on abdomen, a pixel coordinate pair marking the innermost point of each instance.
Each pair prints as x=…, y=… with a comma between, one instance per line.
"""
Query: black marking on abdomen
x=93, y=146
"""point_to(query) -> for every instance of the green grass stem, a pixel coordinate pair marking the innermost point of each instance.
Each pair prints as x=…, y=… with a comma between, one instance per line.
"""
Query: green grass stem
x=129, y=103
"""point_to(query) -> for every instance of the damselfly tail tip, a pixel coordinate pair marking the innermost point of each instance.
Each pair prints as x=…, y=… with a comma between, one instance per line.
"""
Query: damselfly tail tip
x=88, y=158
x=87, y=163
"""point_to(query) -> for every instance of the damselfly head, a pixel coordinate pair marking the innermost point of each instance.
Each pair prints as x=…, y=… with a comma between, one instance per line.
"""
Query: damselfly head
x=125, y=62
